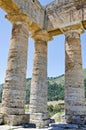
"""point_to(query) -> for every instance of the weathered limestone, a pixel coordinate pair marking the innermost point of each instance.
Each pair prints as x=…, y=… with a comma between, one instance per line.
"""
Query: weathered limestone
x=74, y=85
x=43, y=22
x=14, y=93
x=38, y=96
x=33, y=9
x=65, y=13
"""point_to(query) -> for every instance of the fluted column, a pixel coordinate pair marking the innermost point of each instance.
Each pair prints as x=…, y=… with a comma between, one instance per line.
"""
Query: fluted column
x=38, y=99
x=74, y=80
x=14, y=93
x=39, y=87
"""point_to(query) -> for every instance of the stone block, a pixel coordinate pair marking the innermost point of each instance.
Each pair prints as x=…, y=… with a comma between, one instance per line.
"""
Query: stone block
x=40, y=119
x=16, y=119
x=80, y=120
x=67, y=118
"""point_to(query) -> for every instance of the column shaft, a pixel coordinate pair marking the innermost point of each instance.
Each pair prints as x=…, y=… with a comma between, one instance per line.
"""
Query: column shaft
x=14, y=93
x=74, y=81
x=39, y=86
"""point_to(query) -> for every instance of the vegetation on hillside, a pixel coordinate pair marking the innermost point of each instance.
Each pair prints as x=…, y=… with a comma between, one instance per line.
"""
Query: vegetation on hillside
x=55, y=91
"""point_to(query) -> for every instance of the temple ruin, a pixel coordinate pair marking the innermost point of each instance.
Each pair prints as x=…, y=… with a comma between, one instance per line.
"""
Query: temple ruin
x=30, y=19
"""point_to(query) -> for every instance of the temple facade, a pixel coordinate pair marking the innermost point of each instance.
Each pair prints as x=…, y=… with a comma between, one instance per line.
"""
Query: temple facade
x=30, y=19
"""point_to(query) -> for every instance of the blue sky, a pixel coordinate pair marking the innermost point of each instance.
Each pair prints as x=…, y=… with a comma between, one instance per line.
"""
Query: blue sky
x=56, y=51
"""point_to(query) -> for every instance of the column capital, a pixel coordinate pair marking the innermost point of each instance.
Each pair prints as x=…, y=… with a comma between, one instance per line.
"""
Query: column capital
x=41, y=35
x=18, y=27
x=75, y=29
x=19, y=20
x=72, y=34
x=17, y=17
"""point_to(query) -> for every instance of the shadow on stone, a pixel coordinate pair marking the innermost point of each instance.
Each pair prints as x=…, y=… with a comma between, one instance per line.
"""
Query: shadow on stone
x=63, y=127
x=29, y=125
x=52, y=120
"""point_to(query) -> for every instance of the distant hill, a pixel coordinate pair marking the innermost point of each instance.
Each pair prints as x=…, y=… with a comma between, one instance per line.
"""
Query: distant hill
x=55, y=87
x=58, y=80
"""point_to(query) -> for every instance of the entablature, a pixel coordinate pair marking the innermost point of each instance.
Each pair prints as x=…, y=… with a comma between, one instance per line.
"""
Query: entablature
x=66, y=13
x=29, y=9
x=55, y=18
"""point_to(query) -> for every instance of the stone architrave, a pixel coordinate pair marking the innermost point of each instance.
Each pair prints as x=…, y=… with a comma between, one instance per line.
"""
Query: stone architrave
x=39, y=87
x=74, y=80
x=14, y=93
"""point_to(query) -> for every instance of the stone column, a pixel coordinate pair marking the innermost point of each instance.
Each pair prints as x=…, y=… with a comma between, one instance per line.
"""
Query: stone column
x=39, y=87
x=75, y=109
x=14, y=93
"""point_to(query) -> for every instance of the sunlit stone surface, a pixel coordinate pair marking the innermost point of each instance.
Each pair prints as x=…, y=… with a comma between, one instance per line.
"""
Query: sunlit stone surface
x=66, y=17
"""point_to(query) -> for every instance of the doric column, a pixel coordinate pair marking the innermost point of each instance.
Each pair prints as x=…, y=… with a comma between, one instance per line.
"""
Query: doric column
x=14, y=93
x=74, y=81
x=39, y=87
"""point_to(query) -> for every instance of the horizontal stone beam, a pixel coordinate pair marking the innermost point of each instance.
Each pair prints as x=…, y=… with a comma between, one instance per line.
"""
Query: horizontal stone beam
x=8, y=6
x=63, y=14
x=60, y=3
x=54, y=18
x=30, y=8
